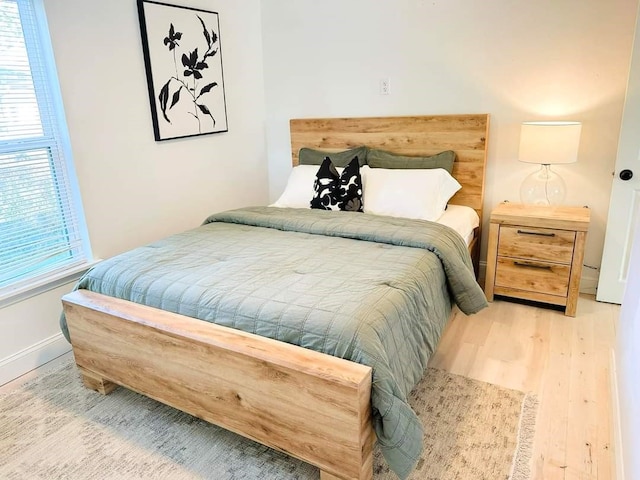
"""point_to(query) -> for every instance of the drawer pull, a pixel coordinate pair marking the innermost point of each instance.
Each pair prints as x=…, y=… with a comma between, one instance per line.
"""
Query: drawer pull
x=532, y=265
x=541, y=234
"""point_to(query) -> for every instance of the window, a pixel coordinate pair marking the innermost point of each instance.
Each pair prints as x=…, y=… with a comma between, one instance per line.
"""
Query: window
x=42, y=231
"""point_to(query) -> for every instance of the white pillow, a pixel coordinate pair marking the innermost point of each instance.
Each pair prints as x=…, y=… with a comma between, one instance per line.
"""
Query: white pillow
x=299, y=190
x=411, y=193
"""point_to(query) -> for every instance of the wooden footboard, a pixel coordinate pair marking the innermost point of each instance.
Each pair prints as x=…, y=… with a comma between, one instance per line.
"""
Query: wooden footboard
x=309, y=405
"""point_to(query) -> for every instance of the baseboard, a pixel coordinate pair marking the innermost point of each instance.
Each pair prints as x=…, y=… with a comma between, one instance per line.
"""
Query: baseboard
x=588, y=282
x=32, y=357
x=617, y=467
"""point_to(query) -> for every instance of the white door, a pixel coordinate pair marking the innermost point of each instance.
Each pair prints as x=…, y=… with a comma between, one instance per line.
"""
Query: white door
x=628, y=377
x=625, y=195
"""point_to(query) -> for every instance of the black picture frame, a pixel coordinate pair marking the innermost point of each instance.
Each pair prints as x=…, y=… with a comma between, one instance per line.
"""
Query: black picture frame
x=183, y=62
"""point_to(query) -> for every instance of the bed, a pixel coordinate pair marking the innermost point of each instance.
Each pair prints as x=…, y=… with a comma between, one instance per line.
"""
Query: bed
x=309, y=404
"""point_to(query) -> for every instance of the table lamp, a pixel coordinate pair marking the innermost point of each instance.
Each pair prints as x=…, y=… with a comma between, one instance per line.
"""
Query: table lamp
x=547, y=143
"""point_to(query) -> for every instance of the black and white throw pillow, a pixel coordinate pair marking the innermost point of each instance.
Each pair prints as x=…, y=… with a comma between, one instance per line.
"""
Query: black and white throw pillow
x=350, y=188
x=334, y=191
x=324, y=187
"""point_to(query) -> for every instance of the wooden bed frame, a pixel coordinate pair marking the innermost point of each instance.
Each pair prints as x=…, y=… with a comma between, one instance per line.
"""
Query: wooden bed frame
x=312, y=406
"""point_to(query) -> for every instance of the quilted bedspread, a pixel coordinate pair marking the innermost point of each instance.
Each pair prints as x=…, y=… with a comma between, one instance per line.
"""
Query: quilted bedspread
x=375, y=290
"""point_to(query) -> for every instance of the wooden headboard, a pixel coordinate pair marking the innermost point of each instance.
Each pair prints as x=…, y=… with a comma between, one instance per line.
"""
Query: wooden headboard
x=412, y=136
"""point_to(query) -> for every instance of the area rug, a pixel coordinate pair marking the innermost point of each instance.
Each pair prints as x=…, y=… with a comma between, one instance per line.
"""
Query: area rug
x=54, y=428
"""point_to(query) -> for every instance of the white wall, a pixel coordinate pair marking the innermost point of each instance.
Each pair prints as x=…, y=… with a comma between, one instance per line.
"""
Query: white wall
x=136, y=190
x=517, y=61
x=129, y=182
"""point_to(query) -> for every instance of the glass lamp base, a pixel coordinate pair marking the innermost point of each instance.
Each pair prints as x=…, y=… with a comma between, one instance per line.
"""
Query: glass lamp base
x=543, y=187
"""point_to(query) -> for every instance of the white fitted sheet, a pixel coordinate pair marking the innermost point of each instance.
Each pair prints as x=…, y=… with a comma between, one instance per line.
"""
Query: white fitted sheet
x=462, y=219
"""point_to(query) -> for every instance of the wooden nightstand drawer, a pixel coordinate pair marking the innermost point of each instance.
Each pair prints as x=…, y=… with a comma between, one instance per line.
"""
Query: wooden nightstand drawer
x=533, y=276
x=536, y=243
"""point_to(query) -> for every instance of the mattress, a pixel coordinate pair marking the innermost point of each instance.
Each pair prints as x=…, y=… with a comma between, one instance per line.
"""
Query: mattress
x=463, y=220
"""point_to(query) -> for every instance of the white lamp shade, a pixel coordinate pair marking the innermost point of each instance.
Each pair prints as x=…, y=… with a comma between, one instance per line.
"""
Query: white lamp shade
x=549, y=143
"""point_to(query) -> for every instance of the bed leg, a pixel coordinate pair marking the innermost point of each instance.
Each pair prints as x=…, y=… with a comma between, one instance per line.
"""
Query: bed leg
x=327, y=476
x=96, y=382
x=368, y=475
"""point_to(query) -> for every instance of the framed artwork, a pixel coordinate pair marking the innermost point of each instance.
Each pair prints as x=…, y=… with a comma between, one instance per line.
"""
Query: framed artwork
x=183, y=60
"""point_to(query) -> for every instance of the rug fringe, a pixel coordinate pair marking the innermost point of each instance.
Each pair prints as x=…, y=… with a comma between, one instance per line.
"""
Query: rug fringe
x=521, y=466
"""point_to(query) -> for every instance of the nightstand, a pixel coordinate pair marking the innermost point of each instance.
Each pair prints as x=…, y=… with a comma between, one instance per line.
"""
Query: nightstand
x=535, y=253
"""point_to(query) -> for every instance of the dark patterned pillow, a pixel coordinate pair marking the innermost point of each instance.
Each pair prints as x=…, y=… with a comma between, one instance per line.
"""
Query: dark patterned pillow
x=334, y=191
x=325, y=186
x=350, y=187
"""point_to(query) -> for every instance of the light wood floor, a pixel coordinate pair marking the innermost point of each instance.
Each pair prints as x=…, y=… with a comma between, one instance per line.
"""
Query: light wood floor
x=565, y=360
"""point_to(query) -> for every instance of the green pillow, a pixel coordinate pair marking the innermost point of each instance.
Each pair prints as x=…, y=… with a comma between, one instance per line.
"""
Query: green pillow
x=382, y=159
x=309, y=156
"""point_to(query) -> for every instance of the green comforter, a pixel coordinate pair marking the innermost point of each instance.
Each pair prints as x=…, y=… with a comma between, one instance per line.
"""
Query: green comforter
x=371, y=289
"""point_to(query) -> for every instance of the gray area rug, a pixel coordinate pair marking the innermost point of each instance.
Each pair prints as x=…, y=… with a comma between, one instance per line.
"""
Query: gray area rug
x=54, y=428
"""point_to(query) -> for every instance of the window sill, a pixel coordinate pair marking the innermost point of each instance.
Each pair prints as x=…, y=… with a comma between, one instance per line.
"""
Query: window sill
x=45, y=284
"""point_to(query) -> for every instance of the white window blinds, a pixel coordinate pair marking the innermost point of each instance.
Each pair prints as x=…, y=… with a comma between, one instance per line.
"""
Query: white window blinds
x=42, y=228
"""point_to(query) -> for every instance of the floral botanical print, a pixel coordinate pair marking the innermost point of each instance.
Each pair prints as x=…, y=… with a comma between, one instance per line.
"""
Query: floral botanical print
x=183, y=60
x=193, y=66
